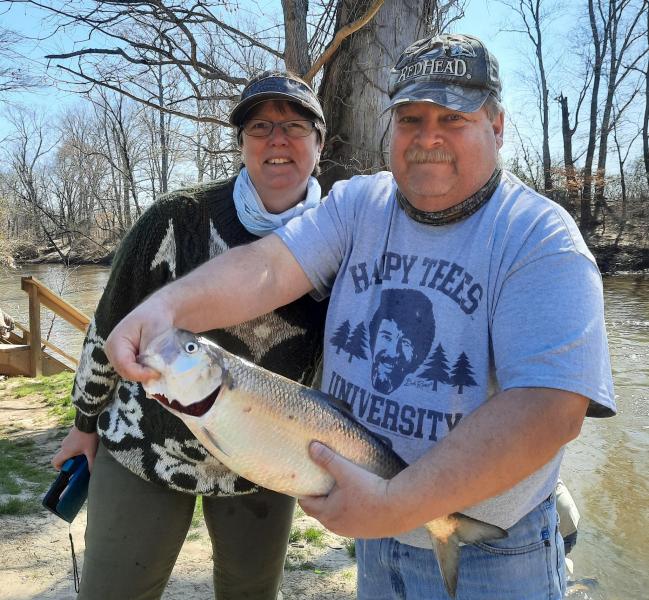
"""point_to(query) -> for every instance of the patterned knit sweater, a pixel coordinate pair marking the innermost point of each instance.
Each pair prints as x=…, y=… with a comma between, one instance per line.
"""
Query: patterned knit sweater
x=179, y=232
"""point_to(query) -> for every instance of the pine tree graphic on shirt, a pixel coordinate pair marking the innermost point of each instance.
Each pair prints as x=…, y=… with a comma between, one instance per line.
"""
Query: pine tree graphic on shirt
x=436, y=368
x=341, y=336
x=357, y=342
x=462, y=375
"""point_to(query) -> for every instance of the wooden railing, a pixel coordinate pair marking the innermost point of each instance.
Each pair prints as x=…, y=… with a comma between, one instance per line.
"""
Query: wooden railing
x=39, y=294
x=48, y=344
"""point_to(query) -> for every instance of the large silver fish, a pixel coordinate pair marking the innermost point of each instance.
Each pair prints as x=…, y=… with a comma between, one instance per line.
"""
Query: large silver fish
x=260, y=424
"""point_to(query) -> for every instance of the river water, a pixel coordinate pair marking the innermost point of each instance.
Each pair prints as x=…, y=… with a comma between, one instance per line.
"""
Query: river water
x=605, y=469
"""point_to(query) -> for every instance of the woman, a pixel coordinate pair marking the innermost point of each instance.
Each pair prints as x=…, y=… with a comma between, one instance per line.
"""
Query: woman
x=147, y=468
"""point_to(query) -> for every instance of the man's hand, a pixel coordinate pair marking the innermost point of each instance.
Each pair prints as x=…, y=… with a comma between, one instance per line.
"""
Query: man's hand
x=132, y=335
x=76, y=443
x=358, y=505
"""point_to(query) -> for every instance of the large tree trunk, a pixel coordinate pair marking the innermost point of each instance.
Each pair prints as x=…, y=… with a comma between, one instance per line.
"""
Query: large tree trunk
x=355, y=82
x=296, y=56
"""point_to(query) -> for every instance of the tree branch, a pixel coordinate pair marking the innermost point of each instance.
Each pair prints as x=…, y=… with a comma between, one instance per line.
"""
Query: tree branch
x=148, y=103
x=341, y=35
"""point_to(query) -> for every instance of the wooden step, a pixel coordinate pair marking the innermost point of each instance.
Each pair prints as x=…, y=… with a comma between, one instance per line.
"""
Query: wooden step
x=14, y=360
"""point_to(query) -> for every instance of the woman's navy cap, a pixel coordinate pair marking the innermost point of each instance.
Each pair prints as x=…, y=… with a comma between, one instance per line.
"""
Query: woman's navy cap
x=275, y=86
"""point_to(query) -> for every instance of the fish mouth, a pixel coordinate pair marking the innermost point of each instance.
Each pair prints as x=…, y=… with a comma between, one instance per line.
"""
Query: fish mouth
x=196, y=409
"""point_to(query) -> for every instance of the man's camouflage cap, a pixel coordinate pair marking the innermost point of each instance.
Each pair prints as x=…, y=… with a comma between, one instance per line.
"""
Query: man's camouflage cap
x=452, y=70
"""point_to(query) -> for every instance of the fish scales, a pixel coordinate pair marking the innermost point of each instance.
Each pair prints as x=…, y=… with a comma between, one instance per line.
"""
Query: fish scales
x=283, y=419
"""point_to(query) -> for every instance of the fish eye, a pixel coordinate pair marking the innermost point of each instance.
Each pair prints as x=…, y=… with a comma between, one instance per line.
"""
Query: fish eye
x=191, y=347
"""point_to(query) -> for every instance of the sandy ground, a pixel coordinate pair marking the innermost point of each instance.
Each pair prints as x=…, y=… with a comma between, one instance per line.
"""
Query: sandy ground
x=36, y=563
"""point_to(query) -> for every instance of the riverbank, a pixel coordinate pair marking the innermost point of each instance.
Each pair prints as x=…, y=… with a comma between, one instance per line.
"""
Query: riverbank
x=621, y=258
x=625, y=251
x=34, y=547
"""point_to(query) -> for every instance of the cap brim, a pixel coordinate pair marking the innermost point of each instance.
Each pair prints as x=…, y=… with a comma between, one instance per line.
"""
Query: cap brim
x=240, y=110
x=453, y=97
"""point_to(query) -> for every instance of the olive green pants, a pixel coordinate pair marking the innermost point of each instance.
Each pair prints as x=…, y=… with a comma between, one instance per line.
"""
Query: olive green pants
x=136, y=529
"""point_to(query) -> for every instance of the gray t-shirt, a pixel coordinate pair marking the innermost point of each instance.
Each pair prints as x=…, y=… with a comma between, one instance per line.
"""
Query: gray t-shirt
x=425, y=323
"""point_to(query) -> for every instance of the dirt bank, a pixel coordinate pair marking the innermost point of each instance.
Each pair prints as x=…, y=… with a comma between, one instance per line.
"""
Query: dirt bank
x=35, y=561
x=613, y=258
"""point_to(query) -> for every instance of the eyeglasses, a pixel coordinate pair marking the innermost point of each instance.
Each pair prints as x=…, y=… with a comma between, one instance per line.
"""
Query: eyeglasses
x=293, y=129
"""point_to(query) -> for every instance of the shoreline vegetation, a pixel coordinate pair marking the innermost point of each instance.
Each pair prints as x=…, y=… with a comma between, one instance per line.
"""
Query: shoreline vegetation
x=626, y=252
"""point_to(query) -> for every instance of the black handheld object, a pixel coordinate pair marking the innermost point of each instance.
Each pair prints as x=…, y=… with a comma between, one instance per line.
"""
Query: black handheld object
x=70, y=490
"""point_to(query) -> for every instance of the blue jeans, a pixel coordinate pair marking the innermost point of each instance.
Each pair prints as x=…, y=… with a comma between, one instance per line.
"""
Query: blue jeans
x=527, y=565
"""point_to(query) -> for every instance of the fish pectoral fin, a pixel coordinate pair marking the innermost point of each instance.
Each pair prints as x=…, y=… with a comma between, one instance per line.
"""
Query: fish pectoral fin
x=446, y=535
x=213, y=441
x=471, y=531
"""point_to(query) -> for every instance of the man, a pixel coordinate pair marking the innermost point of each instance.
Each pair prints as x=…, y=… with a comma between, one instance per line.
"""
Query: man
x=520, y=356
x=401, y=333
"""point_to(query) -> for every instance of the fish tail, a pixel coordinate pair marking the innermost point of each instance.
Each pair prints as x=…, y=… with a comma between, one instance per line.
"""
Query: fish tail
x=446, y=536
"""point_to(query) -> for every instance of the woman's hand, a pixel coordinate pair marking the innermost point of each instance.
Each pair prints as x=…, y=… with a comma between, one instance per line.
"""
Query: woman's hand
x=76, y=443
x=132, y=335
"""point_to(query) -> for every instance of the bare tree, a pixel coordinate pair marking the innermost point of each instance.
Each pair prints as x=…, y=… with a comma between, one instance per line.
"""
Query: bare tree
x=527, y=163
x=121, y=146
x=622, y=150
x=568, y=130
x=645, y=119
x=614, y=36
x=14, y=75
x=26, y=152
x=533, y=16
x=623, y=31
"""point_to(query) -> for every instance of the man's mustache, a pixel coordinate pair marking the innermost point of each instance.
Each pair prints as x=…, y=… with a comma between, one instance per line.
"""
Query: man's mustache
x=419, y=156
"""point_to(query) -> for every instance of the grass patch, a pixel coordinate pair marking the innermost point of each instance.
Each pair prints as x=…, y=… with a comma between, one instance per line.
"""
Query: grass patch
x=22, y=477
x=307, y=565
x=295, y=536
x=350, y=546
x=54, y=391
x=314, y=536
x=197, y=517
x=311, y=535
x=18, y=506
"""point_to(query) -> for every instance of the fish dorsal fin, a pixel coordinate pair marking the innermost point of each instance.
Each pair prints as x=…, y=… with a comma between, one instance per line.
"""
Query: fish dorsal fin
x=344, y=408
x=386, y=440
x=340, y=405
